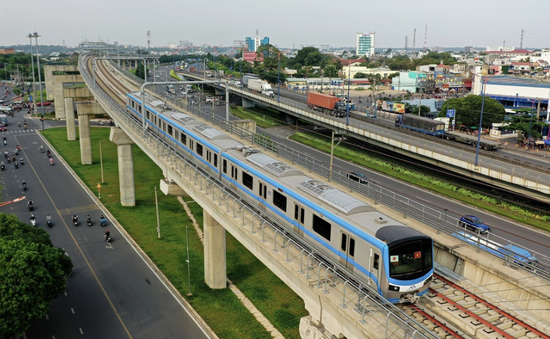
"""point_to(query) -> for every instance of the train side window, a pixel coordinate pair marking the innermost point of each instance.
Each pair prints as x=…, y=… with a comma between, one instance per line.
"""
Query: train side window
x=376, y=261
x=279, y=200
x=247, y=180
x=224, y=166
x=299, y=213
x=322, y=227
x=170, y=130
x=296, y=212
x=215, y=160
x=263, y=191
x=344, y=242
x=199, y=149
x=302, y=215
x=234, y=172
x=183, y=139
x=139, y=108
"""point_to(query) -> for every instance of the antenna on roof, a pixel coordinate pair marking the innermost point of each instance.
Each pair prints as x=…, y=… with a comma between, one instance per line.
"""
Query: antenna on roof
x=521, y=41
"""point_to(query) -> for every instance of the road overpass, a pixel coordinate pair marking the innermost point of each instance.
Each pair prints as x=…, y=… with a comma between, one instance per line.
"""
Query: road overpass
x=528, y=176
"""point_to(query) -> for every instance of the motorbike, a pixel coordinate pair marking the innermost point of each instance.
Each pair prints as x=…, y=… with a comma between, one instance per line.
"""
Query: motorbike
x=107, y=238
x=2, y=167
x=89, y=221
x=33, y=221
x=49, y=222
x=21, y=161
x=24, y=185
x=51, y=161
x=31, y=207
x=41, y=149
x=75, y=221
x=16, y=164
x=5, y=142
x=103, y=221
x=49, y=154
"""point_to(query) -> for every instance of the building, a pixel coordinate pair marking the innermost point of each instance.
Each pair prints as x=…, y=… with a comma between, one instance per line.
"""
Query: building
x=7, y=51
x=253, y=43
x=365, y=44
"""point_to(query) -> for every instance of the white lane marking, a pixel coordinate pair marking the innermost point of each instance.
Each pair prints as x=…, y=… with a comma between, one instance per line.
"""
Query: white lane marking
x=80, y=329
x=72, y=310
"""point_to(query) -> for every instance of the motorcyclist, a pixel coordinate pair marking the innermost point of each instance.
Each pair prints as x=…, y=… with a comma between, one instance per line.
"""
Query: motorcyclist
x=48, y=218
x=107, y=234
x=41, y=148
x=21, y=161
x=30, y=203
x=2, y=165
x=51, y=161
x=88, y=219
x=75, y=218
x=48, y=153
x=24, y=183
x=33, y=218
x=102, y=220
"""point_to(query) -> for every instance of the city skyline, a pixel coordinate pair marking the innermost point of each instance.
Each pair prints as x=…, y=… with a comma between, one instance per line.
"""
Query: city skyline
x=289, y=24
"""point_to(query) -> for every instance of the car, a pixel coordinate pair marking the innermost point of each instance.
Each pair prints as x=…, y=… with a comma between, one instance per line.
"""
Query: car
x=474, y=224
x=359, y=177
x=208, y=99
x=47, y=103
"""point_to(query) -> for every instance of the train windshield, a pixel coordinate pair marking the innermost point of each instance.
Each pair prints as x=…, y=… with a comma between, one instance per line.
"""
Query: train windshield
x=411, y=259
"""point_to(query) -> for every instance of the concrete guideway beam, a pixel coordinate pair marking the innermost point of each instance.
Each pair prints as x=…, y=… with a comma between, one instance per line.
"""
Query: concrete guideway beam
x=215, y=274
x=248, y=103
x=125, y=166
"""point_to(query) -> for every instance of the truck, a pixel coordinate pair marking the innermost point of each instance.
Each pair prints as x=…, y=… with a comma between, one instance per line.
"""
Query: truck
x=327, y=104
x=261, y=87
x=248, y=77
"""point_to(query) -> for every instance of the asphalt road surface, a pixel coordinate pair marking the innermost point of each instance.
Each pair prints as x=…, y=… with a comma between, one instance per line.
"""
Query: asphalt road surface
x=112, y=292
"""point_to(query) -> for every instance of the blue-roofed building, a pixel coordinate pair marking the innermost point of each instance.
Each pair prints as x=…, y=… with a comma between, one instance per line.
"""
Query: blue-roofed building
x=515, y=92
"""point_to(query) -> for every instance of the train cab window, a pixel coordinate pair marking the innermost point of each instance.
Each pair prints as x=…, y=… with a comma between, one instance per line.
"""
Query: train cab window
x=279, y=200
x=183, y=139
x=322, y=227
x=224, y=166
x=375, y=264
x=199, y=149
x=170, y=130
x=215, y=160
x=247, y=180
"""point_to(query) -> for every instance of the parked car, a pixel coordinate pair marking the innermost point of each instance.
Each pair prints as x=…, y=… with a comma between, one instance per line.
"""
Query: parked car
x=47, y=103
x=474, y=224
x=359, y=177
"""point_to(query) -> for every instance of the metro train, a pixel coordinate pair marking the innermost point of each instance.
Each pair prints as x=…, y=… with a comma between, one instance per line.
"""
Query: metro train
x=371, y=247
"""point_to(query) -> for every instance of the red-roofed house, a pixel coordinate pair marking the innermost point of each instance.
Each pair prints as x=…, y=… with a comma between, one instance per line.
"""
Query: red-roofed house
x=251, y=57
x=353, y=62
x=522, y=66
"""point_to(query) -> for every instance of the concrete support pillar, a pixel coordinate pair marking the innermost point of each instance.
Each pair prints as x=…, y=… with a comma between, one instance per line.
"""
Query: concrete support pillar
x=69, y=113
x=85, y=138
x=215, y=274
x=248, y=103
x=125, y=166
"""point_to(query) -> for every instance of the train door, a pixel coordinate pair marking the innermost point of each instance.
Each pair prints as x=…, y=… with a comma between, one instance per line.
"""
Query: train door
x=347, y=250
x=262, y=194
x=299, y=218
x=375, y=264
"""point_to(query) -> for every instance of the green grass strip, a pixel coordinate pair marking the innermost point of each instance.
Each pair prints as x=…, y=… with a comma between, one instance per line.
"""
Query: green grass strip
x=221, y=309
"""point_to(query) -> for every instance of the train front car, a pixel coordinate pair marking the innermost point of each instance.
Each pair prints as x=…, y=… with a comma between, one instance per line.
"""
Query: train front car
x=408, y=263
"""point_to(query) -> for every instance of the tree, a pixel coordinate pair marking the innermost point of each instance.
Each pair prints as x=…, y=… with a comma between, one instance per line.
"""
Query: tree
x=331, y=71
x=424, y=110
x=527, y=125
x=360, y=75
x=32, y=274
x=468, y=109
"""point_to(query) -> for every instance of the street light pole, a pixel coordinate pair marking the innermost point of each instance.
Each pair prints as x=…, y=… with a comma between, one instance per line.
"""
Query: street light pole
x=36, y=36
x=349, y=84
x=278, y=82
x=480, y=120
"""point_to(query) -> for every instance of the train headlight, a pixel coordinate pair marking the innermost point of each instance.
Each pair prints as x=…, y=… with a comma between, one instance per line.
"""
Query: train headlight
x=394, y=288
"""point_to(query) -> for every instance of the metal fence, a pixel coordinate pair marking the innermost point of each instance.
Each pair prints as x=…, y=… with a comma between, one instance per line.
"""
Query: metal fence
x=410, y=208
x=378, y=316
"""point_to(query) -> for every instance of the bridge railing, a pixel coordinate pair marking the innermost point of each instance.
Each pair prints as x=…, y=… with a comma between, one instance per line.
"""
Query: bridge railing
x=383, y=317
x=429, y=215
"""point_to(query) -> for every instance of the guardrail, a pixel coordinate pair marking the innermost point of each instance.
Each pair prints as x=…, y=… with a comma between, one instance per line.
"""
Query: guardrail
x=436, y=218
x=323, y=274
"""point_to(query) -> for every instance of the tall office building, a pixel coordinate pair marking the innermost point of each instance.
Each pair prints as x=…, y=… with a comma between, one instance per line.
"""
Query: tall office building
x=365, y=44
x=253, y=43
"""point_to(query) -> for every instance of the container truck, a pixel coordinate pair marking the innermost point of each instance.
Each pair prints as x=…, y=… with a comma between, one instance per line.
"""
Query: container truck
x=261, y=87
x=326, y=103
x=248, y=77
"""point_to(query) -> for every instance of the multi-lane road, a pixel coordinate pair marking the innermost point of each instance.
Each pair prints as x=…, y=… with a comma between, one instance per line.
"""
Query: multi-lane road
x=112, y=292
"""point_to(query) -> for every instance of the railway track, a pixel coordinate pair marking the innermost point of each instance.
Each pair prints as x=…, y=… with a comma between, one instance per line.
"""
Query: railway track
x=452, y=311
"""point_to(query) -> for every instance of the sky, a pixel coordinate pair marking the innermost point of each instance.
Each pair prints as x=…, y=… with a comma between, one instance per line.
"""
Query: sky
x=288, y=23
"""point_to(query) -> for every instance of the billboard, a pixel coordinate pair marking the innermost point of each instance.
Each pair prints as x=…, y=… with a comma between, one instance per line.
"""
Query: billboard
x=390, y=106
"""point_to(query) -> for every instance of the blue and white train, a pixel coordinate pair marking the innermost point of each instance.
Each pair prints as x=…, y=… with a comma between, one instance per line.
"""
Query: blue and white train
x=376, y=250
